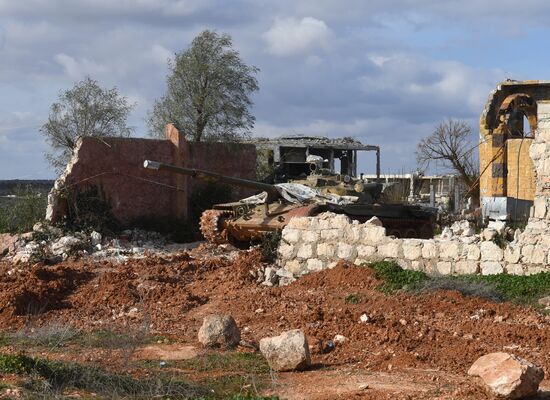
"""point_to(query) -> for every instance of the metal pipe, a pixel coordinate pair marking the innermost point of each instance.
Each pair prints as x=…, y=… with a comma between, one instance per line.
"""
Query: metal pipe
x=212, y=176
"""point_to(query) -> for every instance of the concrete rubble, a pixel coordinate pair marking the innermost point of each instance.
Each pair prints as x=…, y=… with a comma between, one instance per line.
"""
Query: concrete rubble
x=219, y=330
x=51, y=244
x=287, y=352
x=508, y=376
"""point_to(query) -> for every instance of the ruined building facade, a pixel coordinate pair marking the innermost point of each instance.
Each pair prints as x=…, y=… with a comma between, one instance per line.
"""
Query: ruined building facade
x=515, y=113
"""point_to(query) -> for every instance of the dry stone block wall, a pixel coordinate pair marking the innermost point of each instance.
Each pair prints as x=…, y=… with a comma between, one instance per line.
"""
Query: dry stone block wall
x=314, y=243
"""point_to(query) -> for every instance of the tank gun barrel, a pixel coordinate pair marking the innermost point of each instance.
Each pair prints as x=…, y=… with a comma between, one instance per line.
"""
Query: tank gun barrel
x=212, y=176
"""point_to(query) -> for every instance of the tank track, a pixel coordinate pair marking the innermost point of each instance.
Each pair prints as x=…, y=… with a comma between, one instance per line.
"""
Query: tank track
x=210, y=226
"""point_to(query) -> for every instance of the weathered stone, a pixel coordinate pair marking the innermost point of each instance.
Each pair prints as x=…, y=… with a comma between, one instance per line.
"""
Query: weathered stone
x=447, y=233
x=412, y=249
x=544, y=301
x=491, y=268
x=374, y=221
x=219, y=330
x=346, y=251
x=514, y=269
x=539, y=207
x=430, y=250
x=314, y=264
x=7, y=242
x=325, y=250
x=294, y=266
x=473, y=253
x=286, y=352
x=95, y=238
x=305, y=251
x=461, y=228
x=310, y=236
x=291, y=235
x=332, y=234
x=299, y=223
x=466, y=267
x=512, y=254
x=491, y=252
x=489, y=234
x=340, y=221
x=444, y=267
x=354, y=233
x=270, y=277
x=507, y=375
x=498, y=226
x=66, y=245
x=391, y=249
x=449, y=251
x=365, y=251
x=418, y=265
x=373, y=235
x=286, y=251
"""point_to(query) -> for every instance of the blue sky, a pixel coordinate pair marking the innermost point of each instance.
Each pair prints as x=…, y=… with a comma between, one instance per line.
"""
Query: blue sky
x=384, y=72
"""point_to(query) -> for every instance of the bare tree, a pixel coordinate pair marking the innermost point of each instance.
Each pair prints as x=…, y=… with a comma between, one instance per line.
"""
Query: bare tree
x=208, y=91
x=85, y=110
x=451, y=144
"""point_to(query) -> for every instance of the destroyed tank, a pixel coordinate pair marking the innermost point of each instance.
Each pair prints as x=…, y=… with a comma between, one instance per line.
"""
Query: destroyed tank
x=373, y=199
x=269, y=211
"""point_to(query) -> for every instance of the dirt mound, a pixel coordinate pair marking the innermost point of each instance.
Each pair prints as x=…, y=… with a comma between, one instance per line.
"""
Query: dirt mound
x=37, y=290
x=442, y=330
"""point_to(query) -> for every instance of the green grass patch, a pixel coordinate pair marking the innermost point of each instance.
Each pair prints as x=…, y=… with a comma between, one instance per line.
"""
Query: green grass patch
x=396, y=278
x=502, y=287
x=56, y=376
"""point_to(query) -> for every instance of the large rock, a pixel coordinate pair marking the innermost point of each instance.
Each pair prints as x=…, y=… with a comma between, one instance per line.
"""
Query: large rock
x=508, y=376
x=286, y=352
x=219, y=330
x=66, y=245
x=7, y=242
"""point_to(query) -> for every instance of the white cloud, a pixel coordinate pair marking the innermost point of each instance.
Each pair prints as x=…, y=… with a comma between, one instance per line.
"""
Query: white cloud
x=290, y=36
x=78, y=69
x=425, y=81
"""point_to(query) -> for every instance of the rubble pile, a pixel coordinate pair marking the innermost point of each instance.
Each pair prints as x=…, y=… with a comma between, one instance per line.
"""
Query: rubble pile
x=51, y=245
x=312, y=244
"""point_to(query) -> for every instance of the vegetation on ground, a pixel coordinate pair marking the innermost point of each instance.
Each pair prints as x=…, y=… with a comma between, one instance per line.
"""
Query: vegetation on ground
x=501, y=287
x=20, y=213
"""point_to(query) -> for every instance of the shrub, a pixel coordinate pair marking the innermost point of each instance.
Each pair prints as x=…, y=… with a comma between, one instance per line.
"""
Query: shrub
x=22, y=212
x=269, y=245
x=88, y=211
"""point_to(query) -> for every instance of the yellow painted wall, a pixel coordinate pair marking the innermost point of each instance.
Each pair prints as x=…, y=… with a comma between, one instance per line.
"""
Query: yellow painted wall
x=521, y=171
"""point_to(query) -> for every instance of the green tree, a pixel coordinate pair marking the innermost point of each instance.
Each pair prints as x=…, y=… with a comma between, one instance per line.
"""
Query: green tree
x=208, y=92
x=85, y=110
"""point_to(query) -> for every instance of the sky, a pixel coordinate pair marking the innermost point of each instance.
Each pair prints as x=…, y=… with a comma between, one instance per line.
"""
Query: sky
x=384, y=72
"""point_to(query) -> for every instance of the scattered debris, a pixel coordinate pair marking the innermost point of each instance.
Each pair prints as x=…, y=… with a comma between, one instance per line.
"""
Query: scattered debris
x=508, y=376
x=286, y=352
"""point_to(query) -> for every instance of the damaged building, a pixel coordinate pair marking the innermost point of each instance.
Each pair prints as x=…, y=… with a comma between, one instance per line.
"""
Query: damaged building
x=287, y=156
x=512, y=117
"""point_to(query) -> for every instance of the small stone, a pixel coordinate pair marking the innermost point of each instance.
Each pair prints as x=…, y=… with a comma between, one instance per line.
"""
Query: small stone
x=545, y=301
x=339, y=339
x=363, y=386
x=286, y=352
x=507, y=375
x=363, y=319
x=219, y=330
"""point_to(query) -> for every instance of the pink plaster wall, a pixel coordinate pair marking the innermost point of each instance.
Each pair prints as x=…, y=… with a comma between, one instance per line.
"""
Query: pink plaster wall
x=115, y=165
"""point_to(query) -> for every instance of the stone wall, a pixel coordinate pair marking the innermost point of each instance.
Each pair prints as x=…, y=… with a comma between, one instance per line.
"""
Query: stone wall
x=314, y=243
x=115, y=167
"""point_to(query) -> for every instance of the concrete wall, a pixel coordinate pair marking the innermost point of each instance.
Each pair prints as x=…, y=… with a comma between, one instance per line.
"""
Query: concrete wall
x=115, y=167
